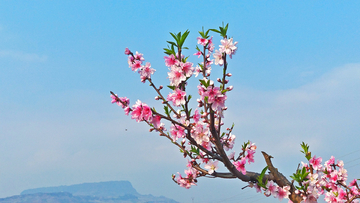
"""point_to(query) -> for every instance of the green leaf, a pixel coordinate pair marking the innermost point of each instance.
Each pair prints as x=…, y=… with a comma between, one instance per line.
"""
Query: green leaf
x=204, y=83
x=215, y=30
x=172, y=43
x=171, y=87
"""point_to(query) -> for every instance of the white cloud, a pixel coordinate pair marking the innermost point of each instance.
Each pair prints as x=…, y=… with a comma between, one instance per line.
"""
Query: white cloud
x=21, y=56
x=324, y=113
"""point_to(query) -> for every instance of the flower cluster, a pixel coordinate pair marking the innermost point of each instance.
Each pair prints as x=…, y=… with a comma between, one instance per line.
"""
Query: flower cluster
x=189, y=179
x=135, y=63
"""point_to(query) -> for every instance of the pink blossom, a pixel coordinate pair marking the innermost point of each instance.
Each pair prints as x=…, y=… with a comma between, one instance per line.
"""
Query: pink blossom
x=139, y=57
x=240, y=165
x=199, y=53
x=219, y=102
x=196, y=116
x=176, y=132
x=227, y=46
x=250, y=156
x=176, y=76
x=200, y=134
x=141, y=111
x=136, y=65
x=271, y=189
x=178, y=97
x=211, y=93
x=211, y=166
x=155, y=120
x=202, y=41
x=316, y=163
x=231, y=155
x=146, y=71
x=127, y=110
x=218, y=58
x=283, y=192
x=187, y=68
x=170, y=60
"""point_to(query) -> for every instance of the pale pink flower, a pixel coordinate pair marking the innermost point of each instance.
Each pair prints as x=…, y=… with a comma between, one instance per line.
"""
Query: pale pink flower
x=139, y=56
x=187, y=68
x=240, y=165
x=200, y=134
x=231, y=155
x=218, y=58
x=227, y=46
x=271, y=189
x=211, y=166
x=219, y=102
x=176, y=76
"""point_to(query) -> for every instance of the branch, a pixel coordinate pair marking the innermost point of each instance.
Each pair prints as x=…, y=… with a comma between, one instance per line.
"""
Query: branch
x=281, y=180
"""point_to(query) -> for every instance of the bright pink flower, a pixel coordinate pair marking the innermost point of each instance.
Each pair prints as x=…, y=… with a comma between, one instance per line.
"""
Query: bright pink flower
x=202, y=41
x=240, y=165
x=178, y=97
x=316, y=163
x=211, y=166
x=141, y=111
x=250, y=156
x=146, y=112
x=136, y=65
x=170, y=60
x=198, y=54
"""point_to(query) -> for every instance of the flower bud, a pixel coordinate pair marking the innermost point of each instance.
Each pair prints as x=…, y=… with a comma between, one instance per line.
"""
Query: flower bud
x=226, y=81
x=219, y=80
x=230, y=88
x=127, y=51
x=161, y=87
x=229, y=74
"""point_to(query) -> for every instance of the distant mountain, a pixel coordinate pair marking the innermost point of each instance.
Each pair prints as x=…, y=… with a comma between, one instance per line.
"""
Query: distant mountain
x=103, y=192
x=102, y=189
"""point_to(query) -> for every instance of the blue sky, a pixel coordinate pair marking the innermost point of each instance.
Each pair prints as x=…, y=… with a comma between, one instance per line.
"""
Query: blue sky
x=296, y=77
